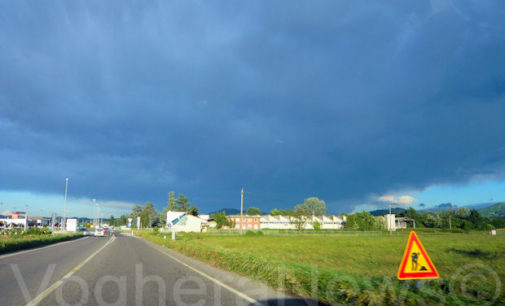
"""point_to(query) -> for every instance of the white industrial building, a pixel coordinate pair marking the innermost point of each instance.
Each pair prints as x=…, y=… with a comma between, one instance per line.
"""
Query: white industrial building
x=286, y=222
x=182, y=222
x=394, y=223
x=21, y=219
x=17, y=219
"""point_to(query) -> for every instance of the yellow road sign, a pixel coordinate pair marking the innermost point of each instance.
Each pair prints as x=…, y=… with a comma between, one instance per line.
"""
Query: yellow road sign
x=416, y=264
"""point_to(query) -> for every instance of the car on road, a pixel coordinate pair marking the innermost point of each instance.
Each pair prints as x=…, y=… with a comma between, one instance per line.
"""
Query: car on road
x=99, y=232
x=84, y=231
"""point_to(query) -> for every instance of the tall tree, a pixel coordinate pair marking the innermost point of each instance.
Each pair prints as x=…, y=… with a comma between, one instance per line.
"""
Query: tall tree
x=163, y=218
x=220, y=218
x=193, y=210
x=170, y=207
x=171, y=201
x=136, y=211
x=312, y=207
x=182, y=203
x=144, y=219
x=253, y=211
x=274, y=212
x=363, y=221
x=150, y=215
x=475, y=217
x=122, y=220
x=299, y=217
x=112, y=221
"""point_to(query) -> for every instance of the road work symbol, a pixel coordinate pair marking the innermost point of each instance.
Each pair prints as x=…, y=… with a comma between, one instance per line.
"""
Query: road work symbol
x=416, y=264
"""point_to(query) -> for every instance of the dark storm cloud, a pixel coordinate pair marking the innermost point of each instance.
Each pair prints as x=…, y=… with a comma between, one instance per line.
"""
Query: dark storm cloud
x=342, y=100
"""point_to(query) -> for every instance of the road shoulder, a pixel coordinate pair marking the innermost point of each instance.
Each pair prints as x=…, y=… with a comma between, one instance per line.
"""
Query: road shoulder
x=250, y=287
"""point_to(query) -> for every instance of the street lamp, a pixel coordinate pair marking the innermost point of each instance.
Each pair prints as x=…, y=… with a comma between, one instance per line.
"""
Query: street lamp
x=96, y=211
x=63, y=225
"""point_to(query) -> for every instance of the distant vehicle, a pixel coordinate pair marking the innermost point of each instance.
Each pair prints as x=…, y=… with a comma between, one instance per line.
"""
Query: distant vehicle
x=84, y=231
x=106, y=231
x=99, y=232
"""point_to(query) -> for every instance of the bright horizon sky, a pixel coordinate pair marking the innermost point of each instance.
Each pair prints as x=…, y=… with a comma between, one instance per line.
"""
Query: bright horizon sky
x=43, y=204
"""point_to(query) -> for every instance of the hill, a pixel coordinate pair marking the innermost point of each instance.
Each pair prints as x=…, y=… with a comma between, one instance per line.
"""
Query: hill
x=382, y=212
x=228, y=211
x=497, y=210
x=479, y=205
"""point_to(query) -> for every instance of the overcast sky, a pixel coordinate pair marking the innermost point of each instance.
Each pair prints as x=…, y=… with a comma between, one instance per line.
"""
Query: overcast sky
x=358, y=103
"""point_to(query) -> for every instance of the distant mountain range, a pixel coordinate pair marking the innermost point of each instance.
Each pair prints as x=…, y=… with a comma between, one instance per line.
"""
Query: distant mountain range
x=497, y=210
x=486, y=209
x=382, y=212
x=228, y=211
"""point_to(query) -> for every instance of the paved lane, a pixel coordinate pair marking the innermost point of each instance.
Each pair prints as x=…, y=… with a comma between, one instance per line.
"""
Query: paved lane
x=124, y=270
x=129, y=271
x=51, y=262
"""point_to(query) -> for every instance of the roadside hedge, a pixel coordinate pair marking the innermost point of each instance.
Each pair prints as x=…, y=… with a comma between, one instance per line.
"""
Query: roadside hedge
x=14, y=243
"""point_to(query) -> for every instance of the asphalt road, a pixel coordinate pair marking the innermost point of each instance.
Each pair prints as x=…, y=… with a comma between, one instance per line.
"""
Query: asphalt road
x=123, y=270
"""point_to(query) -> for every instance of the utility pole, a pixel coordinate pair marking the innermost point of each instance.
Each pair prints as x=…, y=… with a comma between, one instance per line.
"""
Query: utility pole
x=63, y=225
x=241, y=209
x=450, y=225
x=388, y=221
x=96, y=211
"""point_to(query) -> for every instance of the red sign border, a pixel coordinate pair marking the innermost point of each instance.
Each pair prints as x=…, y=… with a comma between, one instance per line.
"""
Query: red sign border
x=416, y=275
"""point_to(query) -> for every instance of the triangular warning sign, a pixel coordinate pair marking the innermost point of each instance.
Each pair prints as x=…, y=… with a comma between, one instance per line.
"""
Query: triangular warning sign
x=416, y=264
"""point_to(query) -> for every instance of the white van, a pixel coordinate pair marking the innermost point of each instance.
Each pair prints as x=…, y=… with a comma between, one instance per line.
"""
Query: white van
x=99, y=232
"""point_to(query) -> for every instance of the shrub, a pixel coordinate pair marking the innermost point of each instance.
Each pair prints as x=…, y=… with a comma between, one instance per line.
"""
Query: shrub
x=250, y=233
x=19, y=243
x=13, y=232
x=253, y=233
x=37, y=231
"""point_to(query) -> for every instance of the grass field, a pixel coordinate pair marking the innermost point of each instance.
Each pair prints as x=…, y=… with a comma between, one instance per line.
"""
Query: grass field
x=355, y=267
x=10, y=244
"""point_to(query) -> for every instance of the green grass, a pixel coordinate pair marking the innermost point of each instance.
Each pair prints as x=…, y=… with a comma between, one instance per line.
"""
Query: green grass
x=10, y=244
x=355, y=267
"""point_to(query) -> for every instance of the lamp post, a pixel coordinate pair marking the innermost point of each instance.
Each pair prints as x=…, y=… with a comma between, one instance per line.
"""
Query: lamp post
x=63, y=225
x=96, y=211
x=241, y=209
x=390, y=220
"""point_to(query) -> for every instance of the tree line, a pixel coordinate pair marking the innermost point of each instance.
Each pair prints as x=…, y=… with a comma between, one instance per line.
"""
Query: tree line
x=299, y=215
x=150, y=217
x=462, y=219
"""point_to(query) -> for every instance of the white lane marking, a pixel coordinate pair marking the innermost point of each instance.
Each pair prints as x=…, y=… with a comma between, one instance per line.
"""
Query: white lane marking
x=232, y=290
x=41, y=248
x=48, y=291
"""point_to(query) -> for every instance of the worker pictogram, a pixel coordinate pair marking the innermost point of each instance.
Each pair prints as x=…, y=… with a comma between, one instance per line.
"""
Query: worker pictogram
x=416, y=264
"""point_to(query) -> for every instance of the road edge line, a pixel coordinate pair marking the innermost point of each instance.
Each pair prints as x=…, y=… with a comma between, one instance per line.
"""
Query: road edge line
x=220, y=283
x=56, y=284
